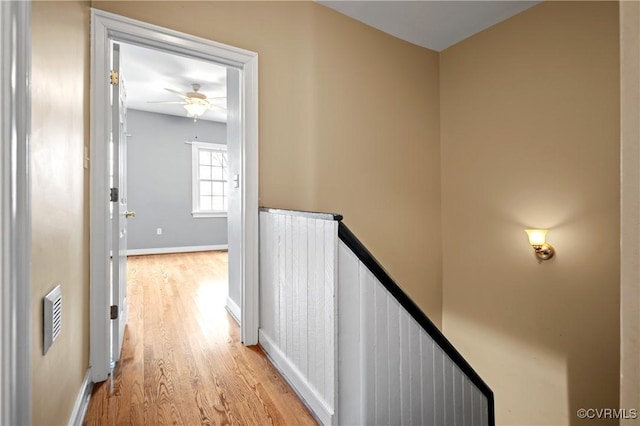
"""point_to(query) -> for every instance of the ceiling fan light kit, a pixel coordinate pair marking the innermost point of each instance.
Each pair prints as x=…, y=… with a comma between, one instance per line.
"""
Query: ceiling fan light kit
x=195, y=109
x=195, y=103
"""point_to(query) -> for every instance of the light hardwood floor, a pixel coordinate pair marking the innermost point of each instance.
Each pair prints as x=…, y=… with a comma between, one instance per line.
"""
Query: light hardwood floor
x=182, y=361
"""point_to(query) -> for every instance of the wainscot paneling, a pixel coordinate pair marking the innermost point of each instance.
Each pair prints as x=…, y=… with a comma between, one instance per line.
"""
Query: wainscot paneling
x=354, y=347
x=298, y=267
x=391, y=372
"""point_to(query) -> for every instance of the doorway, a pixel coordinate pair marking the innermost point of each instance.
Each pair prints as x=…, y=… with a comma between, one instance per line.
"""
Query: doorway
x=242, y=124
x=175, y=188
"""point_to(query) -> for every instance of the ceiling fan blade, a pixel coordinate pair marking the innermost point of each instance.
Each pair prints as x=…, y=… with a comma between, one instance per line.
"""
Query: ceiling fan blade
x=212, y=106
x=182, y=95
x=165, y=102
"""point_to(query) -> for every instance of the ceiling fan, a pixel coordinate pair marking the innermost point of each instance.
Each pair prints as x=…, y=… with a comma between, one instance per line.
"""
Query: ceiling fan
x=194, y=102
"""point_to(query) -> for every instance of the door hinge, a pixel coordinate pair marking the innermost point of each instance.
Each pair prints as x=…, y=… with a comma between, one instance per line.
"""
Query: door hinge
x=113, y=195
x=114, y=312
x=114, y=76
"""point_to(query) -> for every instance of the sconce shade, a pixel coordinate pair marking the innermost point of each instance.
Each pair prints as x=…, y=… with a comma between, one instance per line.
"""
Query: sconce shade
x=537, y=237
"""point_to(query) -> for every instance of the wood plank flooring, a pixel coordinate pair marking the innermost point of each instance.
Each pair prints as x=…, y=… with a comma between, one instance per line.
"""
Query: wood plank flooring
x=182, y=360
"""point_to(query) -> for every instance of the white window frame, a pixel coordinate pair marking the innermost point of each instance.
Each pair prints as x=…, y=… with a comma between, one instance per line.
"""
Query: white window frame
x=196, y=147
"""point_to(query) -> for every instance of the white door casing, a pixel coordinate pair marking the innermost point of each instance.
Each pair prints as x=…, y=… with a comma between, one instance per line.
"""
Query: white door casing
x=15, y=213
x=106, y=28
x=234, y=224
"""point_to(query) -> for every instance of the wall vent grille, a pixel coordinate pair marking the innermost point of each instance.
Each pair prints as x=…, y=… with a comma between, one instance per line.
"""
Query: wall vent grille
x=52, y=317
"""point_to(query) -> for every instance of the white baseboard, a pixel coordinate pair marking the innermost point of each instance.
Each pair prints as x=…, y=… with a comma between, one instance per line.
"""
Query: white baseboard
x=165, y=250
x=323, y=413
x=82, y=401
x=233, y=309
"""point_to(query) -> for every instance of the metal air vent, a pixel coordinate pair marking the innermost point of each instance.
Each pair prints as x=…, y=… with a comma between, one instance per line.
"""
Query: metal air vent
x=52, y=317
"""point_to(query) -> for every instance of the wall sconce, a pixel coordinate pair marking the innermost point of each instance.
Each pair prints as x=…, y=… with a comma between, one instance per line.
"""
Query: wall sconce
x=537, y=238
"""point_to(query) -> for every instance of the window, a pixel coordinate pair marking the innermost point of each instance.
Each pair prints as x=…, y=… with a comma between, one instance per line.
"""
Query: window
x=210, y=179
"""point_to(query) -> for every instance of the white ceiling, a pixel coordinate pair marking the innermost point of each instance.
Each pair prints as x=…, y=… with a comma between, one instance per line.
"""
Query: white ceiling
x=435, y=25
x=147, y=72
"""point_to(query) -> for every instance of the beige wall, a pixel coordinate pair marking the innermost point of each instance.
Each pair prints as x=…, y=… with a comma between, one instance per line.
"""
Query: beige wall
x=60, y=243
x=630, y=219
x=349, y=123
x=530, y=138
x=353, y=121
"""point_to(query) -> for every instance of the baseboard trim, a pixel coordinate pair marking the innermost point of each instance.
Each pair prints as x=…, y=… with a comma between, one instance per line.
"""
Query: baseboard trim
x=298, y=382
x=233, y=309
x=82, y=401
x=166, y=250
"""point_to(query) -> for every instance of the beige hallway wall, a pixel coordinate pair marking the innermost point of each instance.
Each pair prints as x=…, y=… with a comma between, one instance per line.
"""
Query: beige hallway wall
x=60, y=206
x=530, y=138
x=349, y=123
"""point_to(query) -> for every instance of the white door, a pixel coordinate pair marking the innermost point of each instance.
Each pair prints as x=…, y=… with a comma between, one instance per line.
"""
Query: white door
x=119, y=207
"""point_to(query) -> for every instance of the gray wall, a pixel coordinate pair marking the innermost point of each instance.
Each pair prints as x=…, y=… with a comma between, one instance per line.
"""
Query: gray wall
x=159, y=181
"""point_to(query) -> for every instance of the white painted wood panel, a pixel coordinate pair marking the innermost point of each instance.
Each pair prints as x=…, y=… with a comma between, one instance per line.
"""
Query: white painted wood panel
x=381, y=356
x=458, y=402
x=485, y=414
x=449, y=394
x=414, y=380
x=302, y=308
x=477, y=407
x=330, y=306
x=468, y=407
x=282, y=284
x=438, y=380
x=349, y=340
x=347, y=346
x=267, y=277
x=312, y=318
x=296, y=353
x=367, y=309
x=400, y=375
x=317, y=262
x=405, y=367
x=287, y=285
x=298, y=276
x=393, y=309
x=428, y=389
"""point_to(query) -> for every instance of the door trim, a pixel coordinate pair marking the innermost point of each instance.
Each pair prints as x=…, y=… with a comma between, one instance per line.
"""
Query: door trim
x=106, y=27
x=15, y=213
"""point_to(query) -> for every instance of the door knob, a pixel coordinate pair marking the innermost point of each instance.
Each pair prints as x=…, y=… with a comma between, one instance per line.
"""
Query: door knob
x=129, y=214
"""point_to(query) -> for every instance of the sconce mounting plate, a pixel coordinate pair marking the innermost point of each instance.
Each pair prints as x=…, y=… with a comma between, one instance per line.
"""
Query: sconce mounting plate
x=544, y=251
